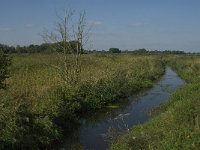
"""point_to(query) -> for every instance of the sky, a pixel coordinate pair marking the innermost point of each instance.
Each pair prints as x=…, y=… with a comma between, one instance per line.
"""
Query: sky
x=124, y=24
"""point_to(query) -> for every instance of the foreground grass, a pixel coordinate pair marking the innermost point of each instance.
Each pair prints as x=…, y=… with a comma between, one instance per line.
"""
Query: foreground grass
x=38, y=104
x=179, y=126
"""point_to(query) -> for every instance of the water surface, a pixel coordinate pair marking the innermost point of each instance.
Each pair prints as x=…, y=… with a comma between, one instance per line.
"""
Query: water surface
x=127, y=113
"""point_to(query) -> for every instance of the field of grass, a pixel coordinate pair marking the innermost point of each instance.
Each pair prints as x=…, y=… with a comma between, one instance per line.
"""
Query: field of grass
x=37, y=104
x=178, y=127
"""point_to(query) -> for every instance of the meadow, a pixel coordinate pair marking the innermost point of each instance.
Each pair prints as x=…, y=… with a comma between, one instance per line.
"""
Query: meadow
x=178, y=126
x=38, y=104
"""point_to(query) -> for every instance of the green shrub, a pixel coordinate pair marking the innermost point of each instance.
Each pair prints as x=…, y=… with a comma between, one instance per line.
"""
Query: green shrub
x=4, y=63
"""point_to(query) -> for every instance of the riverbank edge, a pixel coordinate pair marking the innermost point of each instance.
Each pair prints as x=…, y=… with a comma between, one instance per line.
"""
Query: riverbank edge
x=24, y=143
x=84, y=113
x=176, y=126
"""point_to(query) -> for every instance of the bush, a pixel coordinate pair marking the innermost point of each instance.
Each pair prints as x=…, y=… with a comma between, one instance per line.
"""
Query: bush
x=4, y=63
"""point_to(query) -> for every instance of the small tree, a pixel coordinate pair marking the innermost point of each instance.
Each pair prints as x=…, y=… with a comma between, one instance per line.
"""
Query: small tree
x=4, y=63
x=69, y=37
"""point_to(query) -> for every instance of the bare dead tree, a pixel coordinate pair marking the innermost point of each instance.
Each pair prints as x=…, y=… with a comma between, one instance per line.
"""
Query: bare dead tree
x=66, y=31
x=81, y=25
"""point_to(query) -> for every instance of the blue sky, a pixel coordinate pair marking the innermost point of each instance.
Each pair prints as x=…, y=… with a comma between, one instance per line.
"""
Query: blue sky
x=126, y=24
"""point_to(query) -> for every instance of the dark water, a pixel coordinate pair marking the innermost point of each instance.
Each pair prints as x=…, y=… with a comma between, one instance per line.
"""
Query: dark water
x=126, y=113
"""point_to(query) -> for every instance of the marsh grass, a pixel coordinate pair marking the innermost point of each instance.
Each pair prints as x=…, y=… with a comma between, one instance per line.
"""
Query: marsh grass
x=178, y=126
x=38, y=103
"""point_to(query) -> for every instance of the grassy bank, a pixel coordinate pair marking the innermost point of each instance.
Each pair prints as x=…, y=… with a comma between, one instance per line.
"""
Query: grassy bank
x=179, y=126
x=38, y=104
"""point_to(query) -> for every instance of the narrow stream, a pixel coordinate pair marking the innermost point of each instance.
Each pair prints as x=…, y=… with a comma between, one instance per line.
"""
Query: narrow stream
x=126, y=113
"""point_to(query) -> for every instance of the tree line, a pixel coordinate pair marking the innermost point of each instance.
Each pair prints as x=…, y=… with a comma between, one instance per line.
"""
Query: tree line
x=144, y=51
x=54, y=47
x=141, y=51
x=43, y=48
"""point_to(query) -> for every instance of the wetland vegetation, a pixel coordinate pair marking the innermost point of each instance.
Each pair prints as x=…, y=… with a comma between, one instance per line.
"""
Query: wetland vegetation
x=177, y=127
x=38, y=104
x=88, y=81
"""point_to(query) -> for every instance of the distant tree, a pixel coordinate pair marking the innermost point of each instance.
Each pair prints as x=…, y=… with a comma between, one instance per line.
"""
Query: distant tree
x=4, y=48
x=74, y=45
x=114, y=50
x=11, y=49
x=18, y=49
x=7, y=49
x=4, y=63
x=45, y=47
x=141, y=50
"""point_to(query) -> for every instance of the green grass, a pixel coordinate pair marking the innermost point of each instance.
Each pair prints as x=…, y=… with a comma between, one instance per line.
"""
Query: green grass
x=179, y=126
x=38, y=104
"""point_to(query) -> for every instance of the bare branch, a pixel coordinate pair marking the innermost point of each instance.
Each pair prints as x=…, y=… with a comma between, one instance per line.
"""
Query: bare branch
x=69, y=38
